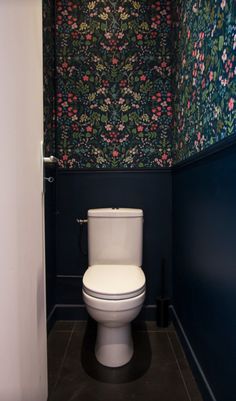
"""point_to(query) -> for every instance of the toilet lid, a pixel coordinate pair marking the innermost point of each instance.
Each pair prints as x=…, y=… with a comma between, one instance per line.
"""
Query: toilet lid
x=114, y=281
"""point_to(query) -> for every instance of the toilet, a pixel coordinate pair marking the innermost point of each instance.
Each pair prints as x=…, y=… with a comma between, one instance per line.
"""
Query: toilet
x=114, y=283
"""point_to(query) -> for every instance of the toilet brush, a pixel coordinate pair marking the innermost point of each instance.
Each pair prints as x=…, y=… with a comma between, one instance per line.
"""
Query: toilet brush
x=163, y=301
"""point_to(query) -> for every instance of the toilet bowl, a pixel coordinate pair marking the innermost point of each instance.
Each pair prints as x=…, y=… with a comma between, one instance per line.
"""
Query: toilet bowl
x=114, y=344
x=114, y=293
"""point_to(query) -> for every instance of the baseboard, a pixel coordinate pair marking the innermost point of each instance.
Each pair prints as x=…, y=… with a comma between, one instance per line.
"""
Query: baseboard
x=192, y=358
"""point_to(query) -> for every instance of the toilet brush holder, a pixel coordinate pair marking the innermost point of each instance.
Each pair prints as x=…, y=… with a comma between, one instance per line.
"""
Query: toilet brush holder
x=163, y=301
x=163, y=311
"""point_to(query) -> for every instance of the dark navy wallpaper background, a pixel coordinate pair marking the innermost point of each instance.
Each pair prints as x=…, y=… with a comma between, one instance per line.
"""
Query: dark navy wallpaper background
x=113, y=83
x=112, y=98
x=49, y=77
x=204, y=74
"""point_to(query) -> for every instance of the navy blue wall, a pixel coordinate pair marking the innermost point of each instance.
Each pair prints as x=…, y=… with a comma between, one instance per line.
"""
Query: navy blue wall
x=50, y=237
x=204, y=265
x=77, y=191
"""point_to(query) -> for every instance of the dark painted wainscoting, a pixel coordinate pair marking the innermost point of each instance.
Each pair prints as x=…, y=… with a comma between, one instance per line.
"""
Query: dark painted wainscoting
x=204, y=268
x=78, y=191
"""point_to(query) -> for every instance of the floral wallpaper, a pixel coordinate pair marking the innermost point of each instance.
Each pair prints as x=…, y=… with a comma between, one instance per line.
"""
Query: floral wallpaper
x=49, y=76
x=204, y=76
x=113, y=83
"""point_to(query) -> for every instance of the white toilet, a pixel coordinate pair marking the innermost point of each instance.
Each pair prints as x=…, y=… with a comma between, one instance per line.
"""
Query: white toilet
x=114, y=283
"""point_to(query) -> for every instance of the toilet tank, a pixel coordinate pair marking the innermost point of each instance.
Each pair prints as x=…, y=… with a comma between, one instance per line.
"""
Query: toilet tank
x=115, y=236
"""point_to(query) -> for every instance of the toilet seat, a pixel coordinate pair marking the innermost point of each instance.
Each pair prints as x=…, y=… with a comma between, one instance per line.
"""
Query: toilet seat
x=114, y=282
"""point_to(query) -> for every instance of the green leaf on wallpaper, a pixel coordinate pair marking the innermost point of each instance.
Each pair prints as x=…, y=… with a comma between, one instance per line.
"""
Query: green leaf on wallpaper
x=221, y=42
x=103, y=26
x=210, y=87
x=219, y=125
x=134, y=117
x=124, y=26
x=95, y=117
x=125, y=118
x=104, y=118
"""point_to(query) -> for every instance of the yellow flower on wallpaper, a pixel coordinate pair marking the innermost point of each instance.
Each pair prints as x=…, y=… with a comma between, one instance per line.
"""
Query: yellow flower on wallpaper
x=125, y=107
x=100, y=67
x=145, y=117
x=83, y=117
x=128, y=67
x=83, y=26
x=91, y=97
x=136, y=5
x=124, y=16
x=103, y=16
x=91, y=5
x=103, y=107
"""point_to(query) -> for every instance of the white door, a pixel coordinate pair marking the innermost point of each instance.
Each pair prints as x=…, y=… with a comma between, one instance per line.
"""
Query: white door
x=23, y=367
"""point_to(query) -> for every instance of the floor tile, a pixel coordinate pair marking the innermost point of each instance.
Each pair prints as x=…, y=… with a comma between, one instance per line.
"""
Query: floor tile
x=64, y=325
x=183, y=365
x=151, y=326
x=57, y=345
x=152, y=374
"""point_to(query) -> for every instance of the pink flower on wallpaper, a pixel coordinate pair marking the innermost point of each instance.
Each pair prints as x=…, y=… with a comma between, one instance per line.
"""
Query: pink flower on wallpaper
x=143, y=78
x=139, y=36
x=154, y=127
x=114, y=61
x=121, y=127
x=120, y=35
x=164, y=156
x=153, y=34
x=89, y=36
x=140, y=128
x=71, y=20
x=89, y=128
x=211, y=75
x=59, y=111
x=169, y=111
x=115, y=153
x=85, y=78
x=231, y=104
x=64, y=65
x=105, y=83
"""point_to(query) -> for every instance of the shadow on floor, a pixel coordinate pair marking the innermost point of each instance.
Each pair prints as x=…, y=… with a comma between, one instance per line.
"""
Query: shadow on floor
x=135, y=369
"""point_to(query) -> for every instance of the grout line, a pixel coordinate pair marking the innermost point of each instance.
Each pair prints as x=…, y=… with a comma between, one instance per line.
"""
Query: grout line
x=63, y=360
x=181, y=374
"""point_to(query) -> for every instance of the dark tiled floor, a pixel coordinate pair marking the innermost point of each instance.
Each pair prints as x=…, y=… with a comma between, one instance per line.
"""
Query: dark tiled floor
x=157, y=371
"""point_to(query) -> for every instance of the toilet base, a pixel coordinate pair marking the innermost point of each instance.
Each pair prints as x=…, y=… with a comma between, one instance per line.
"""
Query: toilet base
x=114, y=345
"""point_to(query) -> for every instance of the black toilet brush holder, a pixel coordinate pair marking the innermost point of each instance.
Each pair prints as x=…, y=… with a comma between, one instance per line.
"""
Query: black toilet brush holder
x=163, y=301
